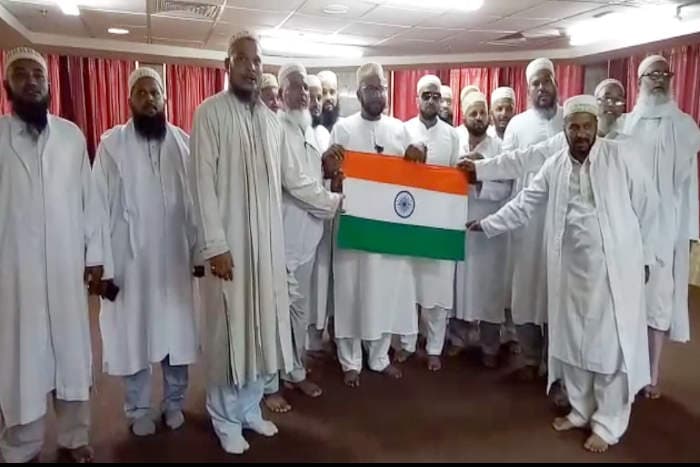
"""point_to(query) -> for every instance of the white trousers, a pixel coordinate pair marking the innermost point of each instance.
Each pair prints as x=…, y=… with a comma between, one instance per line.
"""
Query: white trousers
x=598, y=400
x=21, y=443
x=299, y=282
x=233, y=409
x=139, y=390
x=350, y=353
x=432, y=325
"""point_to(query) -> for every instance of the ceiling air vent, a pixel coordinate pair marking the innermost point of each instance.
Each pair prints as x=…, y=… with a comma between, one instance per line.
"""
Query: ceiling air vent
x=185, y=9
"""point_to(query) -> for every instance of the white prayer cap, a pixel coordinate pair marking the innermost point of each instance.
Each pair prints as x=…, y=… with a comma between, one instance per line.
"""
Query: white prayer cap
x=648, y=62
x=466, y=90
x=446, y=92
x=474, y=97
x=605, y=83
x=144, y=72
x=426, y=81
x=241, y=35
x=24, y=53
x=287, y=69
x=328, y=79
x=370, y=69
x=582, y=103
x=268, y=81
x=538, y=65
x=312, y=81
x=504, y=92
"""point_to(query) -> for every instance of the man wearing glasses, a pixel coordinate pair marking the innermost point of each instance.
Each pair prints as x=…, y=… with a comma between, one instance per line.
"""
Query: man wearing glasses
x=668, y=141
x=434, y=278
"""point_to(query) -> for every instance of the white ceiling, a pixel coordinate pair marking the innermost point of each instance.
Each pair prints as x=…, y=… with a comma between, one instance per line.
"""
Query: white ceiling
x=385, y=30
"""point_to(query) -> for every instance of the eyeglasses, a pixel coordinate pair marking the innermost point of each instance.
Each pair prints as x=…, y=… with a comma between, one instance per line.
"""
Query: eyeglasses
x=426, y=96
x=659, y=75
x=373, y=89
x=611, y=101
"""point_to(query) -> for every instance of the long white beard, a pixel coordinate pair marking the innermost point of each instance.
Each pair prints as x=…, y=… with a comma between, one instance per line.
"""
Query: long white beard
x=302, y=117
x=649, y=99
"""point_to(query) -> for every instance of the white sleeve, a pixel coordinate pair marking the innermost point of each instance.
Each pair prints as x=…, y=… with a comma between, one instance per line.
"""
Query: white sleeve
x=515, y=163
x=519, y=210
x=107, y=188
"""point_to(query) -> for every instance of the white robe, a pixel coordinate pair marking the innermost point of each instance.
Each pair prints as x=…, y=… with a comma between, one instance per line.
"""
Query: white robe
x=624, y=205
x=49, y=218
x=528, y=298
x=435, y=278
x=302, y=228
x=481, y=279
x=669, y=141
x=374, y=294
x=149, y=247
x=240, y=163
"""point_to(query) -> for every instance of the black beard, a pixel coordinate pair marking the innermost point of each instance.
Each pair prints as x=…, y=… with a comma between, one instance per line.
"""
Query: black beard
x=243, y=95
x=477, y=131
x=34, y=114
x=329, y=117
x=315, y=120
x=150, y=127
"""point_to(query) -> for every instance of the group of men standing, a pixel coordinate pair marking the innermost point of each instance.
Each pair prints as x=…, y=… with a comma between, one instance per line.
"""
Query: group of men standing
x=233, y=226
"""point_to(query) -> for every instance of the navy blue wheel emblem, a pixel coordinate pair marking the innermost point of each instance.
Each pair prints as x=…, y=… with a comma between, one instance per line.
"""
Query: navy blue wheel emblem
x=404, y=204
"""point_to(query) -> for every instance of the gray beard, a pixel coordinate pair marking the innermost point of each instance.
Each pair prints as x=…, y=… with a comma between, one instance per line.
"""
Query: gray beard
x=652, y=99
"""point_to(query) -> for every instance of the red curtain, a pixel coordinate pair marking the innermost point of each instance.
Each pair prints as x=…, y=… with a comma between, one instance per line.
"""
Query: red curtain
x=685, y=63
x=187, y=86
x=52, y=61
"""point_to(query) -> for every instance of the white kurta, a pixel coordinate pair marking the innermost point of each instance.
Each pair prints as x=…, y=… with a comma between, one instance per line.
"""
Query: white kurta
x=434, y=278
x=669, y=141
x=302, y=228
x=481, y=280
x=624, y=205
x=374, y=294
x=47, y=223
x=528, y=298
x=240, y=163
x=150, y=242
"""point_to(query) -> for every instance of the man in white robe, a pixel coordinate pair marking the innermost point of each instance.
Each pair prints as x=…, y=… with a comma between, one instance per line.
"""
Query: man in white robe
x=528, y=298
x=240, y=165
x=374, y=294
x=141, y=174
x=303, y=228
x=669, y=141
x=270, y=92
x=321, y=134
x=445, y=113
x=480, y=285
x=50, y=243
x=434, y=278
x=502, y=111
x=599, y=250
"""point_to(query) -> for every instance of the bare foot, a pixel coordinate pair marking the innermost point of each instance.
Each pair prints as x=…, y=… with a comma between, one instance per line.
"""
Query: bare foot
x=403, y=355
x=351, y=378
x=276, y=403
x=526, y=374
x=454, y=350
x=434, y=363
x=306, y=387
x=595, y=443
x=562, y=424
x=392, y=372
x=651, y=392
x=489, y=361
x=81, y=455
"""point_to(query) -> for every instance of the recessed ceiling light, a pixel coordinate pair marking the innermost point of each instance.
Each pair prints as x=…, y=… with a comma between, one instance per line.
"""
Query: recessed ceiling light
x=118, y=31
x=336, y=9
x=68, y=7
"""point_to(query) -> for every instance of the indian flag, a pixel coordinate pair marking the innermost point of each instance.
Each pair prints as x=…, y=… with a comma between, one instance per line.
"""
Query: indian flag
x=397, y=207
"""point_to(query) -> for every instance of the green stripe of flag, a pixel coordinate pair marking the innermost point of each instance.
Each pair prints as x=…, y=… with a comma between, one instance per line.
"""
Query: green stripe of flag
x=356, y=233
